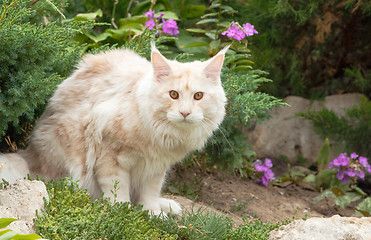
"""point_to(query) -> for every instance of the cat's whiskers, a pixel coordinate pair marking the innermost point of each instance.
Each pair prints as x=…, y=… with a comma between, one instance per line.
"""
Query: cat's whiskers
x=221, y=131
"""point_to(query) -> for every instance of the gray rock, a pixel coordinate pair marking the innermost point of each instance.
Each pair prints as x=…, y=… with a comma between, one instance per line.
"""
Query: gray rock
x=334, y=228
x=285, y=134
x=20, y=201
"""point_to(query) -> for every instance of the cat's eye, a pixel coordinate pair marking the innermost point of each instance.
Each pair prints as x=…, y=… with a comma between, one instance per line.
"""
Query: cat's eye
x=198, y=95
x=174, y=94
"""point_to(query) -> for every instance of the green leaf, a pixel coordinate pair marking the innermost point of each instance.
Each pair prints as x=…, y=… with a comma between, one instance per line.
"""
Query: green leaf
x=365, y=207
x=196, y=30
x=31, y=236
x=168, y=15
x=88, y=16
x=197, y=44
x=342, y=201
x=7, y=234
x=4, y=222
x=193, y=11
x=209, y=15
x=337, y=191
x=359, y=191
x=324, y=156
x=209, y=20
x=242, y=68
x=325, y=194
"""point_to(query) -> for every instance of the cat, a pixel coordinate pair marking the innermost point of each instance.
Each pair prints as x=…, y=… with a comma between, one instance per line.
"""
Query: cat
x=121, y=117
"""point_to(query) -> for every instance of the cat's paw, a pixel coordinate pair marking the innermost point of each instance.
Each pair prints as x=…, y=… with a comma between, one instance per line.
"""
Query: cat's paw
x=168, y=205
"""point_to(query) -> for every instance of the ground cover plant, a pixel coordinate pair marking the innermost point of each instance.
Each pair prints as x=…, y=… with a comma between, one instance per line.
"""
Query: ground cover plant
x=71, y=214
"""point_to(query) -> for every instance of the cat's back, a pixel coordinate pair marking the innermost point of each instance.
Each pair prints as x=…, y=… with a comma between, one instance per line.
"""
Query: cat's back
x=102, y=76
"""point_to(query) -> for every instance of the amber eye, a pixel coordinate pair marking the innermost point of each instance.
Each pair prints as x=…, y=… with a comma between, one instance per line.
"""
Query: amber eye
x=174, y=94
x=198, y=95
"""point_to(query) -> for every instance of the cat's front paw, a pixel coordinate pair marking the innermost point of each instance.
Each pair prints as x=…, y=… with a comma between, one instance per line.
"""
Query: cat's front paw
x=168, y=205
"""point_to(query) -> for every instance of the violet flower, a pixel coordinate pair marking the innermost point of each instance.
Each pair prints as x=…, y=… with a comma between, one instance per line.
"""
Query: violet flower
x=150, y=24
x=249, y=29
x=350, y=168
x=264, y=170
x=170, y=27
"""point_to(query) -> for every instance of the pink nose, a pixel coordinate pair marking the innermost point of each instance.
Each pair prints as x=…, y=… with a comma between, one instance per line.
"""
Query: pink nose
x=185, y=114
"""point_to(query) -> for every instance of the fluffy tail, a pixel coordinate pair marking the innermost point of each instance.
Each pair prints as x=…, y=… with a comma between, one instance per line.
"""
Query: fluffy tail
x=13, y=167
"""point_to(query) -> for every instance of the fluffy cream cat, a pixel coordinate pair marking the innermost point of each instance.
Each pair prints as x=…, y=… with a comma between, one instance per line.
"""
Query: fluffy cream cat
x=120, y=117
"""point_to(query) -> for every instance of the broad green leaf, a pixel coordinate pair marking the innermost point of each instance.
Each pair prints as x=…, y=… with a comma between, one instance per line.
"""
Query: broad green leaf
x=31, y=236
x=193, y=11
x=89, y=16
x=196, y=30
x=325, y=194
x=215, y=5
x=245, y=62
x=224, y=24
x=365, y=207
x=342, y=201
x=4, y=222
x=100, y=37
x=324, y=156
x=209, y=20
x=311, y=178
x=168, y=15
x=197, y=44
x=211, y=35
x=135, y=19
x=7, y=234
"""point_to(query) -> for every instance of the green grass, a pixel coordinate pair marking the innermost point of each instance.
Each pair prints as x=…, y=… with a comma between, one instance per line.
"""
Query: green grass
x=70, y=214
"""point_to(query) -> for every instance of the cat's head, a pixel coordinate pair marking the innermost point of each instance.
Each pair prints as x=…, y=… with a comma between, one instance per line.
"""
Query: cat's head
x=189, y=94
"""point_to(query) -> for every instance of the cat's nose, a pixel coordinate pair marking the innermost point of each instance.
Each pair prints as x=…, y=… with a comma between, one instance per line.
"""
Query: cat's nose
x=185, y=114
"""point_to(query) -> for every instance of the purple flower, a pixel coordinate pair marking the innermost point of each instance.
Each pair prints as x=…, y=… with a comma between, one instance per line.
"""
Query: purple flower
x=369, y=168
x=345, y=180
x=260, y=168
x=340, y=175
x=268, y=174
x=249, y=29
x=231, y=31
x=150, y=24
x=268, y=162
x=351, y=172
x=170, y=27
x=341, y=160
x=353, y=155
x=363, y=161
x=150, y=14
x=361, y=174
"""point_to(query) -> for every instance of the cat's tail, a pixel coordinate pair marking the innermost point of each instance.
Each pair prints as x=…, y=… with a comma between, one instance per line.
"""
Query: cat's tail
x=13, y=167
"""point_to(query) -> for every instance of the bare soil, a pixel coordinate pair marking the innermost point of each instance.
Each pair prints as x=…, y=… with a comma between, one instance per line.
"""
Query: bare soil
x=242, y=198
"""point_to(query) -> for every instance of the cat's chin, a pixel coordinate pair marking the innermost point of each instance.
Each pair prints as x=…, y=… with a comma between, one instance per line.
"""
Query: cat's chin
x=184, y=123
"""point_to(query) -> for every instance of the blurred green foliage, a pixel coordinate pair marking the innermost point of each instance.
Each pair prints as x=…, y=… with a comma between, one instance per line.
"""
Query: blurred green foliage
x=311, y=48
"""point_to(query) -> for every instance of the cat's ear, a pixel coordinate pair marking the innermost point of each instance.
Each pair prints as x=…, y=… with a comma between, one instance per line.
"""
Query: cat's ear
x=160, y=66
x=214, y=65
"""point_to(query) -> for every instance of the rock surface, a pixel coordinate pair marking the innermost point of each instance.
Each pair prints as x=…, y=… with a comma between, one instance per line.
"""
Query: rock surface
x=21, y=200
x=285, y=134
x=334, y=228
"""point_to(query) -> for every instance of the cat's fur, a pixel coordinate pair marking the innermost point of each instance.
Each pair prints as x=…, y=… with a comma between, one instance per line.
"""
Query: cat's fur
x=114, y=119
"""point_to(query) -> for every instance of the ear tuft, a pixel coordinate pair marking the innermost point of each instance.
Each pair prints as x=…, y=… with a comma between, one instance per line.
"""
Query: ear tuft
x=160, y=66
x=214, y=65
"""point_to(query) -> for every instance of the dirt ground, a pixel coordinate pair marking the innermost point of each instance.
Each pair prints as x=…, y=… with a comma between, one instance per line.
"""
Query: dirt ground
x=242, y=198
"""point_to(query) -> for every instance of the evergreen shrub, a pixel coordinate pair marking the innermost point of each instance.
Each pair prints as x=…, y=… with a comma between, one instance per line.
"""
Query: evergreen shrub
x=37, y=53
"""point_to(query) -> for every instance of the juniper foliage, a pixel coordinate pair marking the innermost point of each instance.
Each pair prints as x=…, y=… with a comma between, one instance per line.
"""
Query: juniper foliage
x=35, y=57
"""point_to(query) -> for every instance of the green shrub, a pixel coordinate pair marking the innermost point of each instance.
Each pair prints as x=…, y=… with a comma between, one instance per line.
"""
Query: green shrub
x=311, y=48
x=351, y=132
x=35, y=57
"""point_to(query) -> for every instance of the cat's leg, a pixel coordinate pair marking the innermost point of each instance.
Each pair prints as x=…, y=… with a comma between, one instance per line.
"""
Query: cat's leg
x=150, y=196
x=114, y=182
